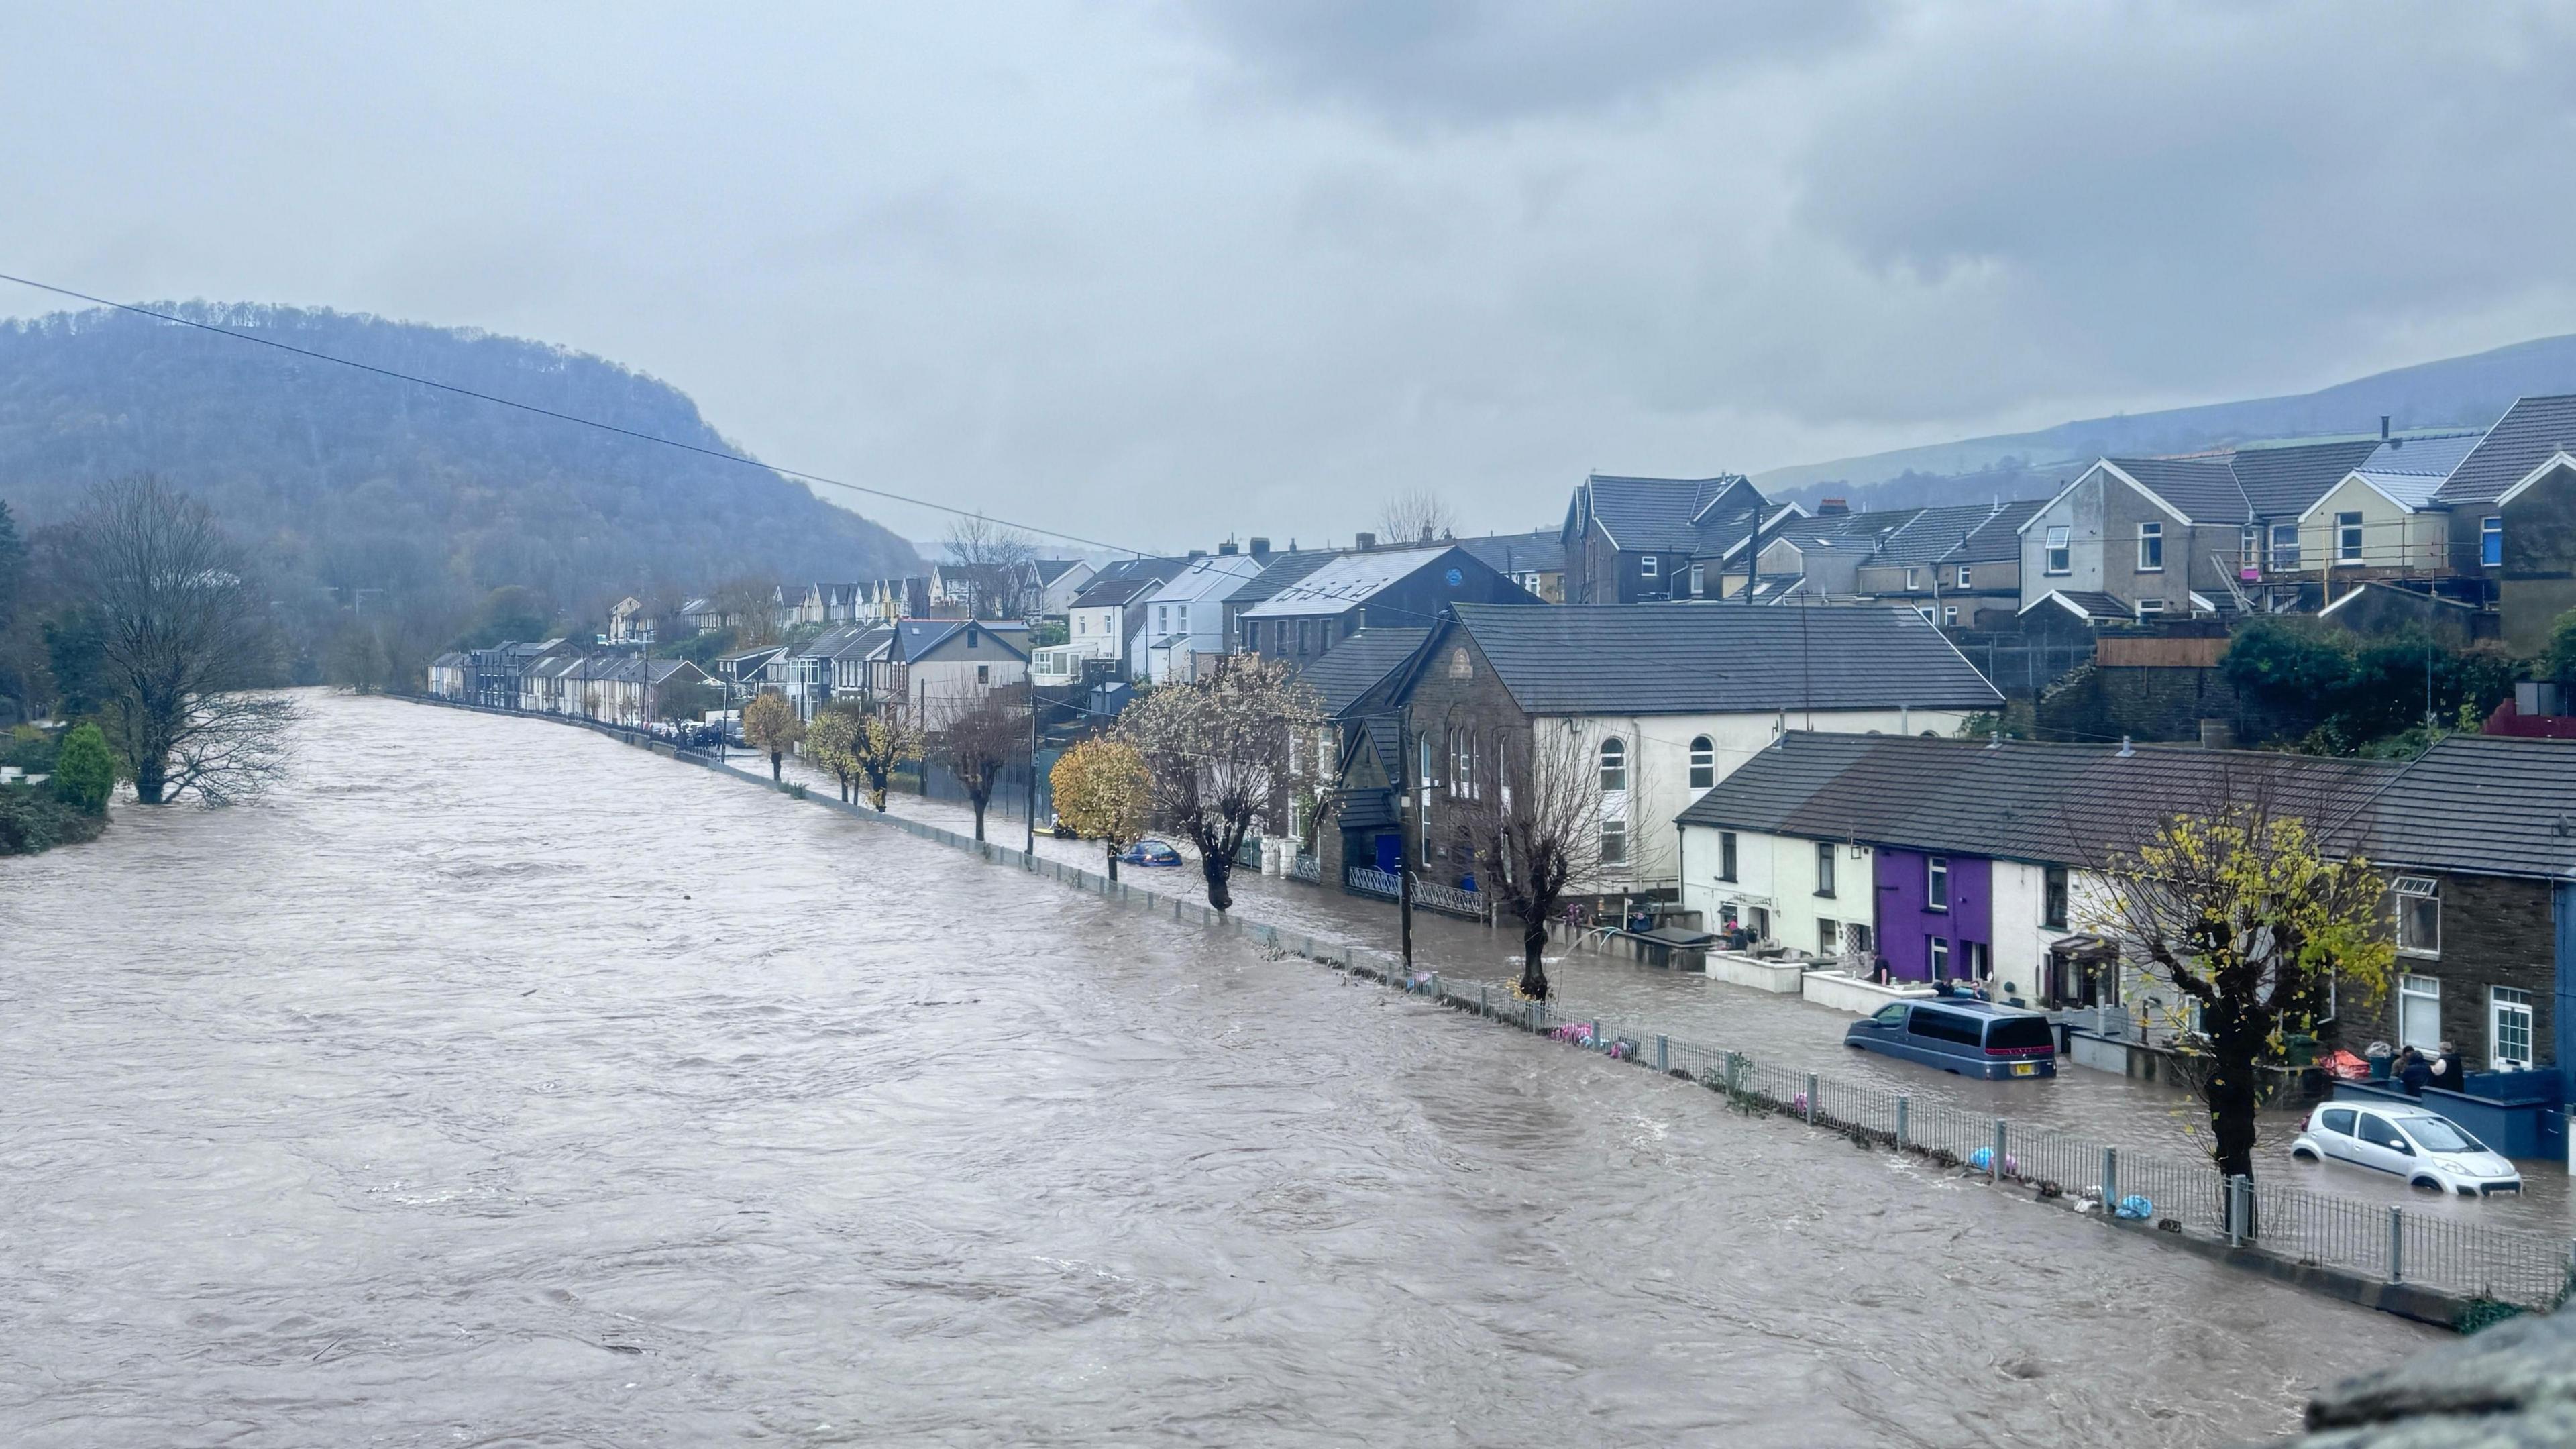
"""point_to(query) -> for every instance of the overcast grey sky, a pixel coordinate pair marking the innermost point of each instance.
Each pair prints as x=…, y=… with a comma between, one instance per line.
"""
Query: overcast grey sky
x=1159, y=273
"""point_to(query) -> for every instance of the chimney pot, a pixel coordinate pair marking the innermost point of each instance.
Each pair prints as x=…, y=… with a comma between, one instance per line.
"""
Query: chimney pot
x=1364, y=541
x=2383, y=427
x=1833, y=505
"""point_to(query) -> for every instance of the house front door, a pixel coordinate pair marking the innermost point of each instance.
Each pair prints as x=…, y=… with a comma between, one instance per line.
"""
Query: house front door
x=1390, y=852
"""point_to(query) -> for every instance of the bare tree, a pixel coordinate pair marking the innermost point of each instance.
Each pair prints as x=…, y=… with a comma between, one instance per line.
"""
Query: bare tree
x=995, y=561
x=748, y=605
x=980, y=738
x=1417, y=515
x=1218, y=750
x=1533, y=818
x=186, y=645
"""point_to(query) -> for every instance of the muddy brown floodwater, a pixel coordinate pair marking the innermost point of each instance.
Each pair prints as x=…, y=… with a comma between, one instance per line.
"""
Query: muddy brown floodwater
x=499, y=1085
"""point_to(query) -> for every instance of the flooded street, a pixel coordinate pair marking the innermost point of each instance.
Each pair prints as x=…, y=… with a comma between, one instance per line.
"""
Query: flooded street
x=497, y=1084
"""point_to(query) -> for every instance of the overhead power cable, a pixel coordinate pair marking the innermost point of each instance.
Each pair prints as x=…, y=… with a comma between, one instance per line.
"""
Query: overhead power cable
x=527, y=407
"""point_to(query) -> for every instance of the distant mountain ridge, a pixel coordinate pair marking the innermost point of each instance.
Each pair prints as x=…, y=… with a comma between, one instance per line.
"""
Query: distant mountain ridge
x=2455, y=392
x=348, y=480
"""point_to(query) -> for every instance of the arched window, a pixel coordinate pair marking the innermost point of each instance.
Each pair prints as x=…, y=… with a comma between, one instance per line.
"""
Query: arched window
x=1703, y=769
x=1614, y=764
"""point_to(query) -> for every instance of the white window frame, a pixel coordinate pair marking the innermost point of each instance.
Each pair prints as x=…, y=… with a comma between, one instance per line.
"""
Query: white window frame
x=1698, y=579
x=2147, y=607
x=2285, y=548
x=2348, y=538
x=1612, y=757
x=1949, y=616
x=1614, y=841
x=2249, y=546
x=1926, y=611
x=2060, y=558
x=2504, y=1002
x=1829, y=937
x=2424, y=995
x=1646, y=566
x=1936, y=882
x=1726, y=851
x=1909, y=580
x=1963, y=576
x=1936, y=955
x=2151, y=540
x=2404, y=891
x=1703, y=762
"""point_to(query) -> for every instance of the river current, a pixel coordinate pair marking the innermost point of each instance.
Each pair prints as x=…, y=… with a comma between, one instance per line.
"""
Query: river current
x=496, y=1084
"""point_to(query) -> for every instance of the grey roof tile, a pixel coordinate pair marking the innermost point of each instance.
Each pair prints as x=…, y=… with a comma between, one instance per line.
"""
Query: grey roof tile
x=1539, y=552
x=1719, y=658
x=1345, y=673
x=2532, y=431
x=1662, y=514
x=2284, y=481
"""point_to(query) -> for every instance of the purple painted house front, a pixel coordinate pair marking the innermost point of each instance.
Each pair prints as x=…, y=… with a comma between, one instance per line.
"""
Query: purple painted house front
x=1935, y=915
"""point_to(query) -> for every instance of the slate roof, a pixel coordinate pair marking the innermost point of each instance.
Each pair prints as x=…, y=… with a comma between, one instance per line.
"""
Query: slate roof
x=848, y=641
x=1539, y=552
x=1998, y=538
x=1282, y=570
x=1858, y=532
x=2412, y=470
x=1358, y=664
x=2205, y=489
x=2482, y=804
x=2070, y=804
x=1664, y=514
x=914, y=638
x=1049, y=570
x=2473, y=804
x=1102, y=593
x=1934, y=534
x=2528, y=435
x=1721, y=659
x=2285, y=480
x=1346, y=581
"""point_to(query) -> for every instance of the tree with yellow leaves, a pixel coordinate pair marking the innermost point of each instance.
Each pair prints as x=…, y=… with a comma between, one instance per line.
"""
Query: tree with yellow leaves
x=2247, y=915
x=1102, y=792
x=770, y=725
x=829, y=743
x=884, y=741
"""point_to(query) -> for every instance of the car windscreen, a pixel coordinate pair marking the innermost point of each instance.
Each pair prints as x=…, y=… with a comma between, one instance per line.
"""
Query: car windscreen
x=2019, y=1033
x=2434, y=1134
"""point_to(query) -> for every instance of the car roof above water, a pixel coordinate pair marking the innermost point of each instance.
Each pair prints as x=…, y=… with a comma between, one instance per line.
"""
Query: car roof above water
x=1975, y=1008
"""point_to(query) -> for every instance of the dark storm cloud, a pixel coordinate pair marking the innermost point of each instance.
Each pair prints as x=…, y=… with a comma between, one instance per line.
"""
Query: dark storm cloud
x=1178, y=271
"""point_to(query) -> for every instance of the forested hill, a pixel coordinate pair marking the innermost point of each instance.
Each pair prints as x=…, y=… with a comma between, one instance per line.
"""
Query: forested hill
x=346, y=479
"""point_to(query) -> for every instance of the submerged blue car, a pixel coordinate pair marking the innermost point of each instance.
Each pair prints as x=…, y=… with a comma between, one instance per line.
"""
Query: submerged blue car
x=1149, y=852
x=1964, y=1037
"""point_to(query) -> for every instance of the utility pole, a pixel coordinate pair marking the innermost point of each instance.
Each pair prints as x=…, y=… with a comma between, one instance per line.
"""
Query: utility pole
x=1408, y=819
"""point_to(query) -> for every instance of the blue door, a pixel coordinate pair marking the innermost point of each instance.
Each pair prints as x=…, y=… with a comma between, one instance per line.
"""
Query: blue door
x=1390, y=853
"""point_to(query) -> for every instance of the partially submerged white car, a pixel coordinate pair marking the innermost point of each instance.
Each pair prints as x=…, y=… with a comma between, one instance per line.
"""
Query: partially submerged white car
x=2424, y=1147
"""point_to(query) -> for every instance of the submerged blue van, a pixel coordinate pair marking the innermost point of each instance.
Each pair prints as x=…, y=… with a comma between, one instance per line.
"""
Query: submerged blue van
x=1969, y=1038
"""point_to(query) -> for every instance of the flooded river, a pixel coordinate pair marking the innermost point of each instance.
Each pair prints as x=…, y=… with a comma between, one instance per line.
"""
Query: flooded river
x=499, y=1085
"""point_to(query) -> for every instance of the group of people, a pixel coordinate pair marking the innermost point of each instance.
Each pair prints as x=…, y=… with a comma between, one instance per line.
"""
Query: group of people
x=2413, y=1071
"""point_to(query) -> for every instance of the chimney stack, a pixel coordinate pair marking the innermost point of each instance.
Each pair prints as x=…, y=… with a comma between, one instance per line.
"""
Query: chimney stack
x=1226, y=549
x=1364, y=541
x=2383, y=427
x=1832, y=505
x=1261, y=548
